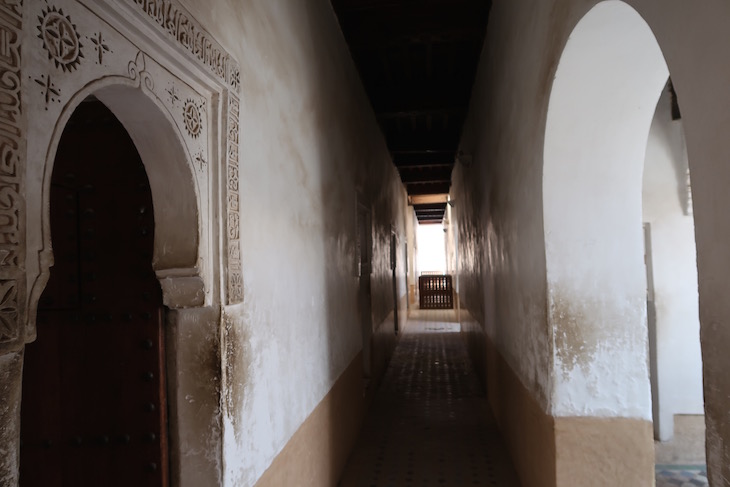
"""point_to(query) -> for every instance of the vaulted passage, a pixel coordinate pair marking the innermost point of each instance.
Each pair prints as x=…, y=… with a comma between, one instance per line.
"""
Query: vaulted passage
x=429, y=424
x=216, y=281
x=93, y=407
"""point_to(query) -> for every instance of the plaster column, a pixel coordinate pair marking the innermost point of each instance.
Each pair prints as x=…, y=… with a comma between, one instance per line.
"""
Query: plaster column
x=11, y=378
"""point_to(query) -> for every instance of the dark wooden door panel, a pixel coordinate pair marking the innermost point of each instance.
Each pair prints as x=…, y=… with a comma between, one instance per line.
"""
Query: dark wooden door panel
x=94, y=407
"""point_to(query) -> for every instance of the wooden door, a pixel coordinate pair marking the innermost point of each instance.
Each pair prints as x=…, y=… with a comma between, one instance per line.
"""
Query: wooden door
x=94, y=409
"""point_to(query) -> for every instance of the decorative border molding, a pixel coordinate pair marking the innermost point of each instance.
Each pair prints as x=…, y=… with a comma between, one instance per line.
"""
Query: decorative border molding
x=12, y=203
x=177, y=22
x=234, y=278
x=99, y=43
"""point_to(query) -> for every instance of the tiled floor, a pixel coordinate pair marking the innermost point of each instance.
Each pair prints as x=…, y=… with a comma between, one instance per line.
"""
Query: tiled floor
x=429, y=425
x=674, y=476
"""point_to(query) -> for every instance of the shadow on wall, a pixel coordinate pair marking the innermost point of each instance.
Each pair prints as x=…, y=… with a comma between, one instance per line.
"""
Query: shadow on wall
x=329, y=151
x=671, y=259
x=603, y=100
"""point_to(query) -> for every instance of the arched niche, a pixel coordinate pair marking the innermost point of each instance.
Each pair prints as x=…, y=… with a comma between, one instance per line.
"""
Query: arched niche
x=174, y=192
x=178, y=226
x=181, y=108
x=169, y=171
x=178, y=253
x=603, y=99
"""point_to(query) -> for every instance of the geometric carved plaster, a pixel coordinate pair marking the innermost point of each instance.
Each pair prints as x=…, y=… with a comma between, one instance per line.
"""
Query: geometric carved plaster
x=12, y=204
x=60, y=38
x=124, y=52
x=179, y=25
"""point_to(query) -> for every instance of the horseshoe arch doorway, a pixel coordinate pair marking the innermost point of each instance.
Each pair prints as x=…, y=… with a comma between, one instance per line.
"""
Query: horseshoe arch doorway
x=94, y=407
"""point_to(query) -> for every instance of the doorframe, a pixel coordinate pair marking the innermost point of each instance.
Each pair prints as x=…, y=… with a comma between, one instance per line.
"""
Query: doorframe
x=161, y=367
x=165, y=78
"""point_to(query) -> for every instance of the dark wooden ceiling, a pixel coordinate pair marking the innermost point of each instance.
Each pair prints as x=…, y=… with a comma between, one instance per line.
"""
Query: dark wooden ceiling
x=417, y=60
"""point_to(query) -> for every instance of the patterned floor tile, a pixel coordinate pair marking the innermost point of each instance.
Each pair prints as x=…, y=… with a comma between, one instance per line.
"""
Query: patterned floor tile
x=668, y=476
x=429, y=425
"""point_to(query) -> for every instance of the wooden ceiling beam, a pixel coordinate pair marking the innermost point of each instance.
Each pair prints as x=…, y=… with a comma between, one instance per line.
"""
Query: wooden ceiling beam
x=430, y=206
x=362, y=5
x=401, y=15
x=422, y=141
x=428, y=188
x=424, y=112
x=417, y=60
x=409, y=176
x=441, y=96
x=430, y=214
x=425, y=159
x=364, y=40
x=427, y=199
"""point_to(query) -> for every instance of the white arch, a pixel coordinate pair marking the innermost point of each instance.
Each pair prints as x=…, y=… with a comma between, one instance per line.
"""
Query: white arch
x=174, y=191
x=606, y=88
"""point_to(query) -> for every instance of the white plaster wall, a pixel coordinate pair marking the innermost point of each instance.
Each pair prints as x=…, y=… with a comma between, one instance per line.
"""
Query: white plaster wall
x=450, y=240
x=414, y=250
x=411, y=222
x=504, y=132
x=498, y=195
x=594, y=154
x=309, y=142
x=674, y=257
x=501, y=236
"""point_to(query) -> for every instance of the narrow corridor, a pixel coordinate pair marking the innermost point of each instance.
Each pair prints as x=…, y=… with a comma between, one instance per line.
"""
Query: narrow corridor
x=429, y=424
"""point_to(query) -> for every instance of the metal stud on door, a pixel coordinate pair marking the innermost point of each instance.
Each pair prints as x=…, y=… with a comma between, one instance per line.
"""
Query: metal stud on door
x=94, y=385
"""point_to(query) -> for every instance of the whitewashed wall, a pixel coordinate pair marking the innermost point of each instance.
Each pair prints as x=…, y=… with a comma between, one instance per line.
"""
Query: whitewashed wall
x=309, y=143
x=674, y=264
x=605, y=91
x=502, y=255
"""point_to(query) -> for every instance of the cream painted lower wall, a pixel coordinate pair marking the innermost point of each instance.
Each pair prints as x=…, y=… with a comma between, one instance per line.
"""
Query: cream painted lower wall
x=553, y=451
x=604, y=452
x=528, y=431
x=318, y=451
x=316, y=454
x=311, y=154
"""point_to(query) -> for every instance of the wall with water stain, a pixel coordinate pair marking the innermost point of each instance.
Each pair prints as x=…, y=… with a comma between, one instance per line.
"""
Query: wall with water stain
x=309, y=145
x=579, y=348
x=496, y=192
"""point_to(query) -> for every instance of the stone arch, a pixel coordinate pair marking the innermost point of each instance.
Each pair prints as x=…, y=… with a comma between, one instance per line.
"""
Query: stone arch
x=176, y=257
x=179, y=254
x=610, y=76
x=181, y=108
x=101, y=296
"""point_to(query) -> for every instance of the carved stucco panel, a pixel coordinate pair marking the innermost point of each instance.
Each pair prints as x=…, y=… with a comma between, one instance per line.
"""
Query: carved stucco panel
x=175, y=23
x=234, y=278
x=12, y=204
x=73, y=46
x=87, y=48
